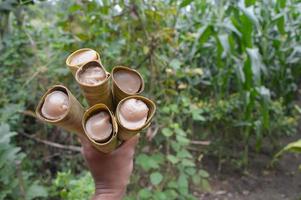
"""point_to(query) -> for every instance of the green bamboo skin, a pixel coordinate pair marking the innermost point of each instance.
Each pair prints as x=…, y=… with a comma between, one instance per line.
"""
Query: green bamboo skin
x=95, y=94
x=74, y=68
x=125, y=133
x=118, y=94
x=109, y=145
x=71, y=121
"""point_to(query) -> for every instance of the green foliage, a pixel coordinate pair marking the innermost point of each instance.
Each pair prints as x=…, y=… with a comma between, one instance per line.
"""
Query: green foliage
x=291, y=147
x=66, y=186
x=246, y=53
x=156, y=178
x=294, y=147
x=223, y=71
x=9, y=157
x=14, y=182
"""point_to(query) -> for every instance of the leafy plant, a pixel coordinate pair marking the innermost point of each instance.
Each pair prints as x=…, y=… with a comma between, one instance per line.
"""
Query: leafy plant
x=242, y=52
x=15, y=183
x=220, y=71
x=294, y=147
x=67, y=186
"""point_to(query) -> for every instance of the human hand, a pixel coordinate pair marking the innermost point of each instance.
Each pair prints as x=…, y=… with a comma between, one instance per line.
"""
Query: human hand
x=111, y=172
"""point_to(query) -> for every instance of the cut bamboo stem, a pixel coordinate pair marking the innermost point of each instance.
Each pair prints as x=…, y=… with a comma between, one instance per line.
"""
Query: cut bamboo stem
x=126, y=133
x=118, y=93
x=71, y=120
x=112, y=142
x=74, y=67
x=99, y=93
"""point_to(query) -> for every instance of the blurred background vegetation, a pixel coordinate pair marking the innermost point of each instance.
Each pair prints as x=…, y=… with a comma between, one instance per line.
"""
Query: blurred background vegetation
x=223, y=73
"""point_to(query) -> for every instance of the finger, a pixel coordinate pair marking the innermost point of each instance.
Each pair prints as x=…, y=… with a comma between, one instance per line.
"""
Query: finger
x=84, y=141
x=129, y=144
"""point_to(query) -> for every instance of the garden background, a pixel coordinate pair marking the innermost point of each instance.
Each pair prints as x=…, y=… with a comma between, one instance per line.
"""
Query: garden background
x=224, y=74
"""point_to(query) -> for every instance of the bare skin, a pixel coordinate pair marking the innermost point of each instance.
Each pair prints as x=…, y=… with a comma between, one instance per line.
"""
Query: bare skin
x=111, y=172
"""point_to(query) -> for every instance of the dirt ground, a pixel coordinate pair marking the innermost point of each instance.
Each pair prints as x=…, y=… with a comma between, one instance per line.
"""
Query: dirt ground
x=282, y=182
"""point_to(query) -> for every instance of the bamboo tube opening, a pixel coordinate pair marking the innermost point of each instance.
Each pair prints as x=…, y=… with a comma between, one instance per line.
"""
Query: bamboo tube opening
x=74, y=66
x=120, y=93
x=72, y=117
x=109, y=144
x=125, y=133
x=87, y=65
x=96, y=93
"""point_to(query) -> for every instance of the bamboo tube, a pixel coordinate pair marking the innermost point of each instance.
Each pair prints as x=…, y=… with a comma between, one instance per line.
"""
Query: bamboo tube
x=110, y=144
x=99, y=93
x=71, y=120
x=74, y=67
x=118, y=93
x=126, y=133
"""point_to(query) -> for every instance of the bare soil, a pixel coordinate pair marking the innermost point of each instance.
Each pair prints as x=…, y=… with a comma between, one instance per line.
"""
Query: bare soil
x=261, y=182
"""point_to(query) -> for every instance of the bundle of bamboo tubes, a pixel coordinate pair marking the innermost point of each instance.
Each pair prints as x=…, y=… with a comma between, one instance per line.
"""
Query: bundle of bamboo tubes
x=116, y=112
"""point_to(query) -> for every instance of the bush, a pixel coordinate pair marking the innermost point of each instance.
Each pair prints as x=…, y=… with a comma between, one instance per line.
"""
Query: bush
x=220, y=71
x=66, y=186
x=15, y=183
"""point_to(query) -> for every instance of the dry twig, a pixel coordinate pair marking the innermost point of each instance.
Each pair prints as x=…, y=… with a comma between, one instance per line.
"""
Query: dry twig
x=53, y=144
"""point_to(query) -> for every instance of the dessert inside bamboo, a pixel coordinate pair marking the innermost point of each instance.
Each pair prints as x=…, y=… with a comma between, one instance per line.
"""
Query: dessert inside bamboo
x=133, y=113
x=55, y=105
x=92, y=75
x=83, y=57
x=80, y=57
x=99, y=126
x=94, y=82
x=128, y=81
x=59, y=107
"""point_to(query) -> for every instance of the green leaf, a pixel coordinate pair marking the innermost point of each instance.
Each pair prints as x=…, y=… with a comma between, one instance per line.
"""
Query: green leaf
x=281, y=3
x=185, y=3
x=144, y=194
x=294, y=147
x=298, y=109
x=74, y=8
x=203, y=35
x=265, y=93
x=171, y=194
x=256, y=63
x=229, y=25
x=295, y=57
x=196, y=180
x=147, y=162
x=182, y=140
x=203, y=173
x=191, y=171
x=224, y=40
x=156, y=178
x=281, y=25
x=249, y=13
x=240, y=73
x=188, y=163
x=175, y=64
x=196, y=115
x=250, y=2
x=184, y=154
x=160, y=195
x=173, y=159
x=167, y=132
x=183, y=183
x=205, y=185
x=36, y=191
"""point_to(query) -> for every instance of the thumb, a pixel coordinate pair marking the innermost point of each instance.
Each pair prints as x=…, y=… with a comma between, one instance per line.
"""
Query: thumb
x=130, y=144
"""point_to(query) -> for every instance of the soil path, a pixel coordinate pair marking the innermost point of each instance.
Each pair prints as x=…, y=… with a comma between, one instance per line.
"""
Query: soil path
x=282, y=182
